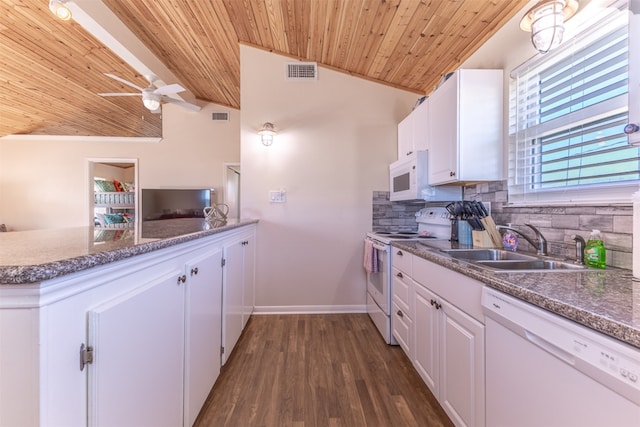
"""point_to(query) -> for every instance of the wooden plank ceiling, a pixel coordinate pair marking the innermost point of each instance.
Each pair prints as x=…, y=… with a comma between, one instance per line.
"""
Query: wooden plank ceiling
x=52, y=70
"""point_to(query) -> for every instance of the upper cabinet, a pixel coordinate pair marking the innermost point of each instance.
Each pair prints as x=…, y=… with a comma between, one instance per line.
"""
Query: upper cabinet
x=413, y=131
x=465, y=128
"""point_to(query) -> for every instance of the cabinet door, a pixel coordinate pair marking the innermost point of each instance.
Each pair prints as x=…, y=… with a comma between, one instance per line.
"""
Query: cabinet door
x=232, y=297
x=405, y=137
x=203, y=330
x=421, y=126
x=443, y=133
x=402, y=328
x=426, y=341
x=136, y=378
x=462, y=367
x=249, y=279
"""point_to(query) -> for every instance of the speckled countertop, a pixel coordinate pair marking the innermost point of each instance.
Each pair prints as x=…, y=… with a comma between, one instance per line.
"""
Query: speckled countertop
x=38, y=255
x=605, y=300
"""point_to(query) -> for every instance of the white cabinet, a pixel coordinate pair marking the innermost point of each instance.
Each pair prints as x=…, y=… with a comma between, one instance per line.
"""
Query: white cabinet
x=136, y=378
x=465, y=128
x=449, y=341
x=401, y=299
x=413, y=132
x=238, y=289
x=203, y=335
x=152, y=321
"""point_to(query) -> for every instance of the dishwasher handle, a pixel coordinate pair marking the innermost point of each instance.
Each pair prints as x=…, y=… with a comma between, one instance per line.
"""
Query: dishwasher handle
x=550, y=348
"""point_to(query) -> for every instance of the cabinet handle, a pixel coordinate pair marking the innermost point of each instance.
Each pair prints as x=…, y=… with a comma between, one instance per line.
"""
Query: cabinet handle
x=182, y=279
x=400, y=314
x=452, y=173
x=399, y=253
x=409, y=153
x=194, y=271
x=631, y=128
x=399, y=275
x=435, y=304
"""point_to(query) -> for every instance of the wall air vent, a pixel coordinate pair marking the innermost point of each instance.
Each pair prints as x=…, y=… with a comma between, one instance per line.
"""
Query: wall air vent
x=220, y=117
x=301, y=71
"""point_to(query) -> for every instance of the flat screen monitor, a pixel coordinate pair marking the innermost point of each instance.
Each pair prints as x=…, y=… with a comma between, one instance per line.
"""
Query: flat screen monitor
x=159, y=204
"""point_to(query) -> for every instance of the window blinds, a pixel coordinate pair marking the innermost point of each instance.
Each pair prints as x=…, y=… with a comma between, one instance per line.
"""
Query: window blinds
x=567, y=114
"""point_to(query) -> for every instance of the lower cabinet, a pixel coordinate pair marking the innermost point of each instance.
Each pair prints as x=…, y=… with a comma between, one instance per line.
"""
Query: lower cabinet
x=137, y=377
x=203, y=331
x=131, y=343
x=446, y=339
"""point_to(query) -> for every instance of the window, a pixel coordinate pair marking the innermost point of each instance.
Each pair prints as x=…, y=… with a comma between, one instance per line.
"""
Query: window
x=568, y=109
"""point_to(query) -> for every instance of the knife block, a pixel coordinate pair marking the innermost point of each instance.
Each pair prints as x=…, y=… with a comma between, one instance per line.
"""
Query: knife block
x=482, y=239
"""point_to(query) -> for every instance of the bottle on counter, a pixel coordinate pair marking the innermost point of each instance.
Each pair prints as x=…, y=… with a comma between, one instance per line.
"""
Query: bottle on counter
x=594, y=252
x=509, y=240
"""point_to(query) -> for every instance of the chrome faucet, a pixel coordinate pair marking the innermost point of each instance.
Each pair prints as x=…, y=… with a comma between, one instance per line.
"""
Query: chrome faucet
x=580, y=244
x=540, y=243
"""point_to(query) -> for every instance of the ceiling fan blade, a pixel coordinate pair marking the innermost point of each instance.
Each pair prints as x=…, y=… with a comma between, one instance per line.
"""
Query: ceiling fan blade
x=123, y=81
x=120, y=94
x=183, y=104
x=169, y=89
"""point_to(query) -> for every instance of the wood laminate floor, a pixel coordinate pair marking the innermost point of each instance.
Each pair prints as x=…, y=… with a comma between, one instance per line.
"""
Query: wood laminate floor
x=318, y=370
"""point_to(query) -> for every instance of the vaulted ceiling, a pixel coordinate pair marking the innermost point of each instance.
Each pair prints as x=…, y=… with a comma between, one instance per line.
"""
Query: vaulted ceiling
x=51, y=70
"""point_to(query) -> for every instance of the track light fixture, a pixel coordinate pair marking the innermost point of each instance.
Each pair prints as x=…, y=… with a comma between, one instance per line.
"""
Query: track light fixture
x=59, y=8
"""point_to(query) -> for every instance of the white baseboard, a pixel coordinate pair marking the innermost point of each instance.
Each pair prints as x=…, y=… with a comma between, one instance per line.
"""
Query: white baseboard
x=310, y=309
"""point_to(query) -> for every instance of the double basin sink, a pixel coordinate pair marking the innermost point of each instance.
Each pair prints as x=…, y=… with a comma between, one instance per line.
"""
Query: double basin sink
x=508, y=262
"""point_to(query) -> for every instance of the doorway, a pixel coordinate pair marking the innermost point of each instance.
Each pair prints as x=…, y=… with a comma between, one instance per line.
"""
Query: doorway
x=231, y=196
x=113, y=193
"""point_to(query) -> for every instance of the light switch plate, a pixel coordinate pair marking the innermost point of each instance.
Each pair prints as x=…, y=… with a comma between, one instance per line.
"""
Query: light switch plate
x=277, y=196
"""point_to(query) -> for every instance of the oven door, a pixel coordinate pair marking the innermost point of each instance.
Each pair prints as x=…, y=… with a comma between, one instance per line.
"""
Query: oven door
x=379, y=283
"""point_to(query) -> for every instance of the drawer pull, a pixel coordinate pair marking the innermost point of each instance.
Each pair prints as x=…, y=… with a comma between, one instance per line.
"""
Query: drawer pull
x=399, y=253
x=399, y=275
x=400, y=314
x=435, y=304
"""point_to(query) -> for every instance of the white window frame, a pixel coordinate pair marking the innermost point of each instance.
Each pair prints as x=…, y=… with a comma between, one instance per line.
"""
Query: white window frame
x=524, y=193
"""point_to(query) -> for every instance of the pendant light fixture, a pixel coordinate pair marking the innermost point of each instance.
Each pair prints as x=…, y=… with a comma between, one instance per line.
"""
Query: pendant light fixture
x=266, y=133
x=59, y=8
x=545, y=21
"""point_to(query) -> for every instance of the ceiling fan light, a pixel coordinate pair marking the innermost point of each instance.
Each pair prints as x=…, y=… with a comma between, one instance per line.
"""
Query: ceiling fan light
x=151, y=101
x=58, y=8
x=546, y=21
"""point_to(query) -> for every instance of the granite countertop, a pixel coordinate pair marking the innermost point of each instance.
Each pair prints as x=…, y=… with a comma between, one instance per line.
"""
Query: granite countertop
x=38, y=255
x=607, y=300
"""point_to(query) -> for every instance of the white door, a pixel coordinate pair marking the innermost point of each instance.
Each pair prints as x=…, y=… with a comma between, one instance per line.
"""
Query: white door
x=203, y=330
x=443, y=128
x=461, y=367
x=427, y=335
x=136, y=378
x=248, y=279
x=232, y=294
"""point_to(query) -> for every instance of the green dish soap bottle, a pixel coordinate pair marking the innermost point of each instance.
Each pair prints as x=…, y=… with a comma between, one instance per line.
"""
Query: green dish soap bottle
x=594, y=253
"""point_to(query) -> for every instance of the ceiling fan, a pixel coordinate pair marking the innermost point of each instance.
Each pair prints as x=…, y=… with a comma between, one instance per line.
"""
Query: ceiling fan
x=152, y=96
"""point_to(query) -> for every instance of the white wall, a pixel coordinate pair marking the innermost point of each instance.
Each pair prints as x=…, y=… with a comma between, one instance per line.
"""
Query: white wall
x=44, y=183
x=336, y=138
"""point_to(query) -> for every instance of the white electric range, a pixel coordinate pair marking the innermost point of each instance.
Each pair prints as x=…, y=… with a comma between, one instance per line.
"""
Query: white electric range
x=433, y=223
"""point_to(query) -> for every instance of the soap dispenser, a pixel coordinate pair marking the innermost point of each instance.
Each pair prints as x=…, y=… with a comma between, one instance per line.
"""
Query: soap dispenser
x=595, y=254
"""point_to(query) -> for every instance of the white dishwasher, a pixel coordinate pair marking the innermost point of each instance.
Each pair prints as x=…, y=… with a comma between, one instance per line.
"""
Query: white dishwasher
x=546, y=371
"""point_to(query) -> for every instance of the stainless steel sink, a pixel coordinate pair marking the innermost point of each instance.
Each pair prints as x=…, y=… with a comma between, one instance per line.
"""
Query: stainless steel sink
x=499, y=260
x=530, y=265
x=486, y=254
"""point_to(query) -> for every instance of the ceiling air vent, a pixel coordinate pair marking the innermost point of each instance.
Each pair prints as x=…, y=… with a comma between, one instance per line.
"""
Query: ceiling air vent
x=301, y=71
x=220, y=117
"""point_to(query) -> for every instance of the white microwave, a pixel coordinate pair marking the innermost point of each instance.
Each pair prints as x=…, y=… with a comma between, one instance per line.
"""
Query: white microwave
x=409, y=180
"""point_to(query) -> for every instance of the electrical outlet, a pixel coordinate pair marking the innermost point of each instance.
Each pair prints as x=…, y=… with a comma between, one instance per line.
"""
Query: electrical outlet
x=278, y=196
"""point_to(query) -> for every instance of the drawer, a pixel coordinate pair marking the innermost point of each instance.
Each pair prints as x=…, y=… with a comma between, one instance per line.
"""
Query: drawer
x=401, y=290
x=402, y=327
x=402, y=260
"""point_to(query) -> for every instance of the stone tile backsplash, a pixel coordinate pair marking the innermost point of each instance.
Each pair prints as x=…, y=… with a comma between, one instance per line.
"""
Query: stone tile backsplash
x=557, y=223
x=394, y=216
